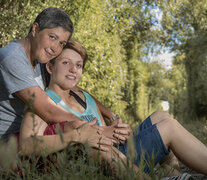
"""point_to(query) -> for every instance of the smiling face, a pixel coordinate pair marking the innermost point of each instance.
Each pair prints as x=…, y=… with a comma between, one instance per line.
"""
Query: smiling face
x=66, y=71
x=48, y=43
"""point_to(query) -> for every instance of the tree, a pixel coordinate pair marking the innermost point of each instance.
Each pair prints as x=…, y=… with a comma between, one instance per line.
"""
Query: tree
x=184, y=26
x=115, y=34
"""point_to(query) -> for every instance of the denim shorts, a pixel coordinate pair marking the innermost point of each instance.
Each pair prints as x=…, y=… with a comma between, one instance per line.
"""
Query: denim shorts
x=148, y=145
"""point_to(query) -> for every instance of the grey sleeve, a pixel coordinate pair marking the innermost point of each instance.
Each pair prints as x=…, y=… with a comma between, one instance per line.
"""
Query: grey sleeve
x=16, y=74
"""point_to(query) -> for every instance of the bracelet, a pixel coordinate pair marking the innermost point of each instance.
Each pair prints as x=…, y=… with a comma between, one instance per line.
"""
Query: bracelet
x=114, y=118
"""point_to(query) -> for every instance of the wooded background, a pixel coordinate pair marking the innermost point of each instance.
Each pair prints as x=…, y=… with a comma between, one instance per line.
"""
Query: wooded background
x=119, y=35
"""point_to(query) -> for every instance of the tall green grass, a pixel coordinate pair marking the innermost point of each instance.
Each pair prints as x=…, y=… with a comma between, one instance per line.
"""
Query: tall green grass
x=74, y=162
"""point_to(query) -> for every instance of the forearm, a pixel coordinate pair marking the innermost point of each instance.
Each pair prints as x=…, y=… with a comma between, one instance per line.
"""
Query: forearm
x=52, y=113
x=41, y=104
x=46, y=144
x=56, y=114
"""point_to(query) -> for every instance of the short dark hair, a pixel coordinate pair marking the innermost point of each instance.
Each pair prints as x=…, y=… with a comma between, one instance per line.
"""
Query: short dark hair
x=53, y=17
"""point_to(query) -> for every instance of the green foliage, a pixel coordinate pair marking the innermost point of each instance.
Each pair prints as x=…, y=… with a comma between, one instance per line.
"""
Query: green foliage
x=105, y=73
x=114, y=33
x=177, y=89
x=184, y=30
x=196, y=64
x=117, y=35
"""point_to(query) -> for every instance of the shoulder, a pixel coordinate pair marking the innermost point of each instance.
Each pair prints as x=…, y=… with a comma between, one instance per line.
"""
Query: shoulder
x=11, y=52
x=88, y=97
x=13, y=60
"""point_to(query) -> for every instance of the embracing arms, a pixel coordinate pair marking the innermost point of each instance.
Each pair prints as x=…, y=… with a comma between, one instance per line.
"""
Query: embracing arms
x=117, y=129
x=44, y=107
x=32, y=139
x=48, y=111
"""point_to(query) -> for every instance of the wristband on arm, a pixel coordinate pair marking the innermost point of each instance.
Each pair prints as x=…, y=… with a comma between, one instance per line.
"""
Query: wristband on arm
x=113, y=118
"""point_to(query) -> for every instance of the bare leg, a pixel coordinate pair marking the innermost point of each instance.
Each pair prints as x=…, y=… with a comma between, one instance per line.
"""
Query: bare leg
x=116, y=162
x=169, y=163
x=184, y=145
x=114, y=159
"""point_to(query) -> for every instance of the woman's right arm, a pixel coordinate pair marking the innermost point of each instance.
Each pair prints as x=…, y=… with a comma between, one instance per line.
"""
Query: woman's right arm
x=32, y=140
x=44, y=107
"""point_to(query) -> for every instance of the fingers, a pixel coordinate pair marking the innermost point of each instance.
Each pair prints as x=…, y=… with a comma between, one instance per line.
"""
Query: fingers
x=103, y=144
x=120, y=137
x=121, y=125
x=93, y=122
x=115, y=142
x=102, y=140
x=122, y=131
x=101, y=147
x=105, y=141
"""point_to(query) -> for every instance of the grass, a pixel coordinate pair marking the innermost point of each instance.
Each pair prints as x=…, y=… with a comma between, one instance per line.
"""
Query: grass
x=198, y=128
x=73, y=163
x=68, y=164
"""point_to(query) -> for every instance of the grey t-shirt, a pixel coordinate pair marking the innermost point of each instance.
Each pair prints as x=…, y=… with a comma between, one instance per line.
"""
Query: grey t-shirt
x=16, y=73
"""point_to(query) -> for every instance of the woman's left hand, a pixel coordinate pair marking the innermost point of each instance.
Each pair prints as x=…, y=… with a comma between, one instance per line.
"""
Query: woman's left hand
x=118, y=131
x=108, y=131
x=122, y=131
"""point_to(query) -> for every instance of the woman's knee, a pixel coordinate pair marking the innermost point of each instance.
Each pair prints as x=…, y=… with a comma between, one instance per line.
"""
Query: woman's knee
x=169, y=123
x=159, y=116
x=168, y=130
